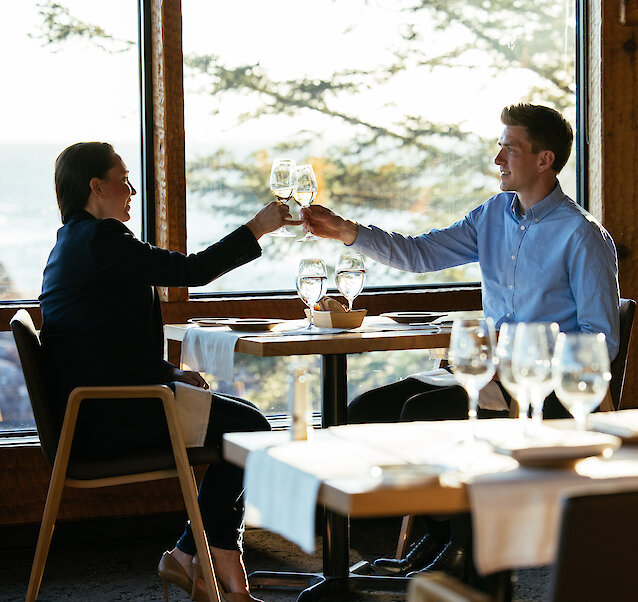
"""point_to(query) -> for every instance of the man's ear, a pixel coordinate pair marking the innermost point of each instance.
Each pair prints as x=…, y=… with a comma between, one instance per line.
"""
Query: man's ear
x=95, y=184
x=546, y=159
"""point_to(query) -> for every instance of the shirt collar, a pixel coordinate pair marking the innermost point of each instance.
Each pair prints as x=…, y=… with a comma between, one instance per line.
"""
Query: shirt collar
x=541, y=209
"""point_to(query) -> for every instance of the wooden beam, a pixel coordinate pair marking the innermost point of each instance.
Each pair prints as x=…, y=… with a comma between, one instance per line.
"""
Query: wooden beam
x=168, y=131
x=613, y=138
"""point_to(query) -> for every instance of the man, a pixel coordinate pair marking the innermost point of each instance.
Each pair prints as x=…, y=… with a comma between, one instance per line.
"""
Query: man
x=543, y=258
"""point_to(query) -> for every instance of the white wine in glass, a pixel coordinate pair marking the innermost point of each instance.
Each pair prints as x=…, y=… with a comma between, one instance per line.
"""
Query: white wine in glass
x=282, y=183
x=304, y=192
x=581, y=373
x=312, y=282
x=350, y=276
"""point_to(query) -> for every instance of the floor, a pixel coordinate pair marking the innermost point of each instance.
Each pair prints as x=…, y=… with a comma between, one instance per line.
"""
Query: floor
x=123, y=566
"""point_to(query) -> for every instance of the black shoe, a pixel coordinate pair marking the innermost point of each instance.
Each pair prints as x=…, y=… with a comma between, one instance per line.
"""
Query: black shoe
x=453, y=560
x=422, y=554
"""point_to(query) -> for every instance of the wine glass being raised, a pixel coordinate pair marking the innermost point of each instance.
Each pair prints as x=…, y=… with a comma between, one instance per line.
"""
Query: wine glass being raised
x=312, y=281
x=282, y=183
x=304, y=192
x=503, y=357
x=471, y=355
x=532, y=363
x=581, y=373
x=350, y=275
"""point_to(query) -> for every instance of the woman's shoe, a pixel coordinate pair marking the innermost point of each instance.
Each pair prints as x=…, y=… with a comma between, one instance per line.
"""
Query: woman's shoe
x=171, y=571
x=199, y=595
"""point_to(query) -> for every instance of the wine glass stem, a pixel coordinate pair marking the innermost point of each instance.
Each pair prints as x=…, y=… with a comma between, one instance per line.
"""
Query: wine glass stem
x=537, y=401
x=472, y=413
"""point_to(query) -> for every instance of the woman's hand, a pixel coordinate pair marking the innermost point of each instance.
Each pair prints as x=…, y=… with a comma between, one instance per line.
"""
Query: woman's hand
x=325, y=223
x=187, y=376
x=274, y=215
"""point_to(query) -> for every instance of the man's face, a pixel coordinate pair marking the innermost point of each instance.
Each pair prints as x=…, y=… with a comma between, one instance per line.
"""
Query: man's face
x=517, y=163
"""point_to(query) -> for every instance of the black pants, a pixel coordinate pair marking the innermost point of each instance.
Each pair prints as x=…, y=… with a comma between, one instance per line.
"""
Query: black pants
x=410, y=399
x=221, y=490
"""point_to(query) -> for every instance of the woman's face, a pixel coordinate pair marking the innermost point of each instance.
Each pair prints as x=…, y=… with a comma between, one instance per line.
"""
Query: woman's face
x=114, y=192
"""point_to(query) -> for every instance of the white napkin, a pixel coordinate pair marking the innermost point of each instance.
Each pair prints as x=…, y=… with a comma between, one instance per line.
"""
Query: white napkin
x=210, y=350
x=516, y=514
x=281, y=498
x=490, y=396
x=193, y=407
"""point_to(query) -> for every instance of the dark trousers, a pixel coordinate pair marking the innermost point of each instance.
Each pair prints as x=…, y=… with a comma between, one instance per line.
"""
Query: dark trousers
x=410, y=399
x=221, y=489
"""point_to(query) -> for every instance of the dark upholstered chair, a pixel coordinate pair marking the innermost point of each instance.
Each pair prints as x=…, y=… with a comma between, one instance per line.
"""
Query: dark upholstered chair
x=619, y=365
x=172, y=461
x=596, y=558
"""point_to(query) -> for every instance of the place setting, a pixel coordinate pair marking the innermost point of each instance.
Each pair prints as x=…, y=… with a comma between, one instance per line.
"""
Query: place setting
x=531, y=361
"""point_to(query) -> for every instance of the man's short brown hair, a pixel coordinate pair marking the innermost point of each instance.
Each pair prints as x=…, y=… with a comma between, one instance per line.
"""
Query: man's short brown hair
x=546, y=129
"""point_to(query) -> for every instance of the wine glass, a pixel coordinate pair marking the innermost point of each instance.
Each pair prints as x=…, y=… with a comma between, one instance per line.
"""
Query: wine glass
x=312, y=281
x=503, y=354
x=471, y=355
x=532, y=363
x=350, y=274
x=581, y=373
x=282, y=183
x=305, y=192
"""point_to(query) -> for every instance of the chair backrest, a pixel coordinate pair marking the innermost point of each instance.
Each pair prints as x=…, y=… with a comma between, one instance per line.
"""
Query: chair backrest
x=597, y=554
x=619, y=365
x=30, y=353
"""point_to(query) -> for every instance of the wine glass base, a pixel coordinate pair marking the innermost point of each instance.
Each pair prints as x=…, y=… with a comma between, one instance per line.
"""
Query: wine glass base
x=282, y=233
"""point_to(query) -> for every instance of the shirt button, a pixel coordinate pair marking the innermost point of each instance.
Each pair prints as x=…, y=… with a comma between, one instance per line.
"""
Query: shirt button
x=513, y=257
x=522, y=227
x=509, y=315
x=511, y=286
x=536, y=220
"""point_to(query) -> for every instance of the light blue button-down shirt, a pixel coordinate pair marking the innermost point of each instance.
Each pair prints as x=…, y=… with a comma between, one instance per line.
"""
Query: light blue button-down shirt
x=554, y=264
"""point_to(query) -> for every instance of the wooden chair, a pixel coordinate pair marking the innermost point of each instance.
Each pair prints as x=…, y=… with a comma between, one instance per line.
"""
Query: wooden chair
x=618, y=370
x=596, y=558
x=147, y=465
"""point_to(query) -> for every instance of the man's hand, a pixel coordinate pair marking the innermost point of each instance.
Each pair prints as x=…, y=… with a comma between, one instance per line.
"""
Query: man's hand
x=325, y=223
x=187, y=376
x=271, y=217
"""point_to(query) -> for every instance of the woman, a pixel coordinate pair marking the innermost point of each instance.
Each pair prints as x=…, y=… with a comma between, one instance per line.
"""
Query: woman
x=102, y=325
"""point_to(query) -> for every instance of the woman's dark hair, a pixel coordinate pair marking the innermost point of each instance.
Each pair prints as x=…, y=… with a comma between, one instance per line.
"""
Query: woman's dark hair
x=74, y=169
x=546, y=128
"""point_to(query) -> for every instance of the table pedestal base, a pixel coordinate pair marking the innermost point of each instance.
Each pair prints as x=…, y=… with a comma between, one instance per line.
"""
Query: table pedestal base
x=318, y=587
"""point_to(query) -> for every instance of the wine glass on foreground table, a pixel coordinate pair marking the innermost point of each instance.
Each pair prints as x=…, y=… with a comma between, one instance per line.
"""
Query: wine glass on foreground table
x=312, y=281
x=581, y=373
x=534, y=344
x=282, y=183
x=350, y=274
x=471, y=355
x=305, y=192
x=503, y=355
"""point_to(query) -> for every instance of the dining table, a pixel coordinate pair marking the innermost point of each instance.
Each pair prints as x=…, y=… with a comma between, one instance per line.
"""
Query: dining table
x=377, y=333
x=512, y=484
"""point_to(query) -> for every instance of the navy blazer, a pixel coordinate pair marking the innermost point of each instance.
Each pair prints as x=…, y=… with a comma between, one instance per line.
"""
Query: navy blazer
x=101, y=316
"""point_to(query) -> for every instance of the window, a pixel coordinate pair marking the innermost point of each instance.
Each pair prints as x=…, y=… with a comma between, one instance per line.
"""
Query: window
x=396, y=105
x=67, y=88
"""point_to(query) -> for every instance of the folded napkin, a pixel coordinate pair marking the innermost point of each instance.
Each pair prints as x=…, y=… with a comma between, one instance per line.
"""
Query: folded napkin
x=210, y=350
x=193, y=407
x=623, y=423
x=516, y=514
x=281, y=498
x=490, y=396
